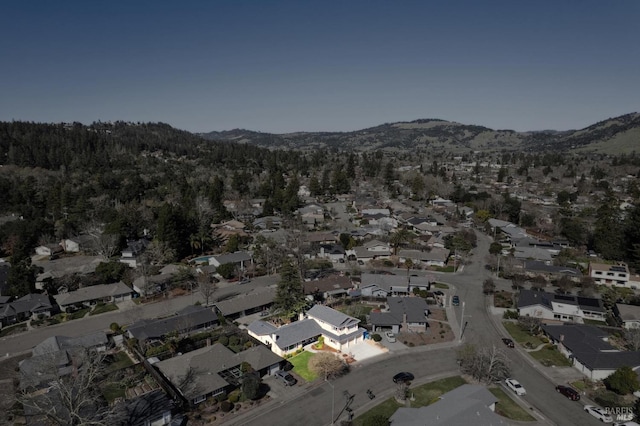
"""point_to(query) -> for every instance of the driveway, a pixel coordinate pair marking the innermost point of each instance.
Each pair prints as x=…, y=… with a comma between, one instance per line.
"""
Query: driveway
x=367, y=349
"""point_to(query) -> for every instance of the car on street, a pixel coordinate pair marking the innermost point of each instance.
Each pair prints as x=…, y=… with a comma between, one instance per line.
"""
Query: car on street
x=403, y=377
x=598, y=413
x=360, y=262
x=286, y=378
x=455, y=301
x=515, y=386
x=390, y=337
x=569, y=392
x=508, y=342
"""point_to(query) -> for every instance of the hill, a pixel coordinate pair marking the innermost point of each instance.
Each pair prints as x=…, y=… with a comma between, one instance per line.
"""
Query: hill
x=612, y=136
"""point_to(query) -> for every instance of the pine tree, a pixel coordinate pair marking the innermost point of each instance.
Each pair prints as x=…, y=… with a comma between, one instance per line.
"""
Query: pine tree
x=289, y=298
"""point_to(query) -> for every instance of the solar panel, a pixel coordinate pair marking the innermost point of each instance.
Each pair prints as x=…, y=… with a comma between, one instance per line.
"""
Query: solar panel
x=588, y=301
x=563, y=297
x=618, y=269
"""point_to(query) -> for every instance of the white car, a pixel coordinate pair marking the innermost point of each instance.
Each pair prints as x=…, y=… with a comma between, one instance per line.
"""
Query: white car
x=598, y=413
x=390, y=337
x=515, y=386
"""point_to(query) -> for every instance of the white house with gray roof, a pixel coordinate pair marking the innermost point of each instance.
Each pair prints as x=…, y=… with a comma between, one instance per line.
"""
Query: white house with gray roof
x=560, y=307
x=92, y=295
x=340, y=331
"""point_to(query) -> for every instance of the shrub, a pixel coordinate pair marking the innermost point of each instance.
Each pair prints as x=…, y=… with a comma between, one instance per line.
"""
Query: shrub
x=234, y=397
x=223, y=340
x=376, y=337
x=623, y=381
x=509, y=314
x=226, y=406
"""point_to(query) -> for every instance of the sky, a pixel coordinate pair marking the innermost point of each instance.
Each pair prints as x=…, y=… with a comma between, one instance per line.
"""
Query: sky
x=284, y=66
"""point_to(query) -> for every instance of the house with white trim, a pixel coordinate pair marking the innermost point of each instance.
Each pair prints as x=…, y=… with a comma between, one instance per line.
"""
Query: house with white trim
x=629, y=315
x=611, y=275
x=340, y=331
x=560, y=307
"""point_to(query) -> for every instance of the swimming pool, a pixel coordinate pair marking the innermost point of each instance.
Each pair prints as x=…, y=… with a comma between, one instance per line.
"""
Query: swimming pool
x=201, y=259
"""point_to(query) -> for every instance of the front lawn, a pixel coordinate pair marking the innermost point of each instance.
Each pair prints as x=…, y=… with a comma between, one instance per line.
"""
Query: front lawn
x=300, y=364
x=521, y=336
x=77, y=314
x=424, y=395
x=508, y=408
x=549, y=356
x=13, y=329
x=441, y=285
x=104, y=307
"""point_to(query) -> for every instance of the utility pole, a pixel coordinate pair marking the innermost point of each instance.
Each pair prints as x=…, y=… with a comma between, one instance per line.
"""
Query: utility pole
x=462, y=322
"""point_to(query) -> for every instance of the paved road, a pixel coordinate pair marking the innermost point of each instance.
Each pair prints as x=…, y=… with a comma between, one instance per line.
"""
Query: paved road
x=16, y=344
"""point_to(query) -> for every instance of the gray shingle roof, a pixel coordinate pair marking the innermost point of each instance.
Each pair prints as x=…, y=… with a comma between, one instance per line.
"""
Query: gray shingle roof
x=191, y=317
x=465, y=405
x=59, y=343
x=537, y=266
x=332, y=317
x=93, y=292
x=251, y=300
x=586, y=344
x=414, y=307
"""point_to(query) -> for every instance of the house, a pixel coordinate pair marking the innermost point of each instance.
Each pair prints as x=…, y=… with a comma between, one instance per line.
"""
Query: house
x=403, y=314
x=629, y=315
x=321, y=238
x=340, y=331
x=152, y=284
x=332, y=252
x=560, y=307
x=465, y=405
x=49, y=249
x=89, y=296
x=131, y=254
x=240, y=258
x=267, y=223
x=149, y=409
x=611, y=275
x=188, y=320
x=214, y=370
x=58, y=356
x=80, y=243
x=254, y=301
x=534, y=268
x=434, y=257
x=588, y=348
x=378, y=285
x=327, y=287
x=225, y=230
x=27, y=307
x=373, y=249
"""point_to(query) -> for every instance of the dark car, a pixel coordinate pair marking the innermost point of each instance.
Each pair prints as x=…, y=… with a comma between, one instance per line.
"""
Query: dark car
x=455, y=301
x=570, y=393
x=403, y=377
x=508, y=342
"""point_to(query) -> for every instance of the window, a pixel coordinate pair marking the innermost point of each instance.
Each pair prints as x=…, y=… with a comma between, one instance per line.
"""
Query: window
x=598, y=272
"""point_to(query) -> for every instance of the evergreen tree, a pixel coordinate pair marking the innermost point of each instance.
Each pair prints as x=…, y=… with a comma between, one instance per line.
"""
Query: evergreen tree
x=290, y=299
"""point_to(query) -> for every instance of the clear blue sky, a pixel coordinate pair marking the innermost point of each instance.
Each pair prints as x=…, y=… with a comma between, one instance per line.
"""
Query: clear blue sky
x=281, y=66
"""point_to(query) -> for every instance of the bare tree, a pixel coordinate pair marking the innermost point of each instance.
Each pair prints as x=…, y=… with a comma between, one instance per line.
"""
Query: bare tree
x=106, y=245
x=207, y=287
x=71, y=398
x=530, y=324
x=327, y=365
x=488, y=286
x=632, y=336
x=159, y=253
x=487, y=364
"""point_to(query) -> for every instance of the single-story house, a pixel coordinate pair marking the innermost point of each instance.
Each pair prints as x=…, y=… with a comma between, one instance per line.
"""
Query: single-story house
x=379, y=285
x=465, y=405
x=434, y=257
x=588, y=348
x=629, y=315
x=560, y=307
x=324, y=288
x=29, y=306
x=373, y=249
x=149, y=409
x=534, y=268
x=80, y=243
x=403, y=314
x=249, y=303
x=214, y=370
x=187, y=320
x=240, y=258
x=152, y=284
x=340, y=331
x=92, y=295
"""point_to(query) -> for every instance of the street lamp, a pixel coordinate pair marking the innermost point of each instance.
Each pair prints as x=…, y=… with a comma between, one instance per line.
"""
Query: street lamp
x=333, y=399
x=462, y=323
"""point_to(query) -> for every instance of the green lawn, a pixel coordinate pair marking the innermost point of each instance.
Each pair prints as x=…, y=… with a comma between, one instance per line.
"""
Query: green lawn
x=120, y=360
x=78, y=314
x=441, y=285
x=112, y=391
x=579, y=385
x=424, y=395
x=594, y=322
x=521, y=336
x=508, y=408
x=301, y=366
x=549, y=356
x=104, y=307
x=445, y=269
x=355, y=309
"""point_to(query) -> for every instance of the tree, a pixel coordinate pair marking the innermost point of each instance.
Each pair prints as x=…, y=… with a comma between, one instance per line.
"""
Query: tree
x=565, y=284
x=327, y=365
x=487, y=364
x=160, y=253
x=399, y=237
x=623, y=381
x=72, y=399
x=495, y=248
x=106, y=244
x=251, y=385
x=632, y=336
x=530, y=324
x=110, y=272
x=207, y=287
x=488, y=286
x=290, y=299
x=226, y=270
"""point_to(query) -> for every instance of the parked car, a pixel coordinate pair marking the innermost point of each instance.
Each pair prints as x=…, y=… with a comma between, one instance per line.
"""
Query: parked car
x=569, y=392
x=455, y=301
x=403, y=377
x=360, y=262
x=390, y=336
x=244, y=281
x=515, y=386
x=286, y=378
x=508, y=342
x=598, y=413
